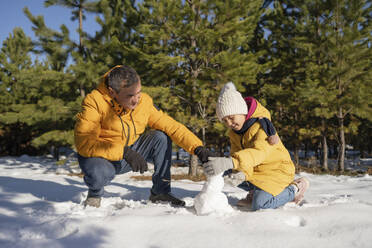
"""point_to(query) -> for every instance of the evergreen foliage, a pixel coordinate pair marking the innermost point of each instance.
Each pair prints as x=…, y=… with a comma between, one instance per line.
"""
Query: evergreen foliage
x=322, y=68
x=308, y=62
x=194, y=47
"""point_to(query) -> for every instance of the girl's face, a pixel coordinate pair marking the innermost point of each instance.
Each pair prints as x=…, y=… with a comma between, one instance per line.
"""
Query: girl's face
x=234, y=121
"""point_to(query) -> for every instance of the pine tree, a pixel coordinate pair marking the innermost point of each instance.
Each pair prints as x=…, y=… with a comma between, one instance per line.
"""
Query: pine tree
x=117, y=19
x=82, y=75
x=349, y=53
x=78, y=8
x=55, y=45
x=323, y=70
x=362, y=141
x=15, y=60
x=194, y=47
x=315, y=90
x=39, y=104
x=84, y=70
x=107, y=47
x=284, y=83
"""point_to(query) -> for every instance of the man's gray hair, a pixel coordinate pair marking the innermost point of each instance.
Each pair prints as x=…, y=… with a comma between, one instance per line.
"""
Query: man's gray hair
x=122, y=77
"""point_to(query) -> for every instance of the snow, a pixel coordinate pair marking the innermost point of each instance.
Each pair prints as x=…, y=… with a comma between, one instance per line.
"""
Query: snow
x=40, y=206
x=211, y=199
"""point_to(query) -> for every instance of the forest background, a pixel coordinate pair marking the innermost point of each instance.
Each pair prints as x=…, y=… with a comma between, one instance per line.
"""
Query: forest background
x=308, y=62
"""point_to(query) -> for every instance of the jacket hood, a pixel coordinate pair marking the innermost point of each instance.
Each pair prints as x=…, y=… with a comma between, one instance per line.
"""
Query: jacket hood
x=255, y=109
x=102, y=88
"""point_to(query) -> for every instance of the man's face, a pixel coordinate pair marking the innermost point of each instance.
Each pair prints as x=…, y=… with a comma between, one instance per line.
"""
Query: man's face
x=235, y=122
x=128, y=97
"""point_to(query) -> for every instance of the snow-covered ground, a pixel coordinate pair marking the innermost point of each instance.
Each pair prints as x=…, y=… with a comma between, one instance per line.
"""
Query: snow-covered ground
x=40, y=206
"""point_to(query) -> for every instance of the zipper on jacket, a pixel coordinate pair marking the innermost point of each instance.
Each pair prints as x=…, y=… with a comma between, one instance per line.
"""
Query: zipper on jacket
x=122, y=124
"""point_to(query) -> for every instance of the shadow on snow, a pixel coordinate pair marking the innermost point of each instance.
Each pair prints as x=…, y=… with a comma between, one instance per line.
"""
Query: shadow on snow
x=24, y=222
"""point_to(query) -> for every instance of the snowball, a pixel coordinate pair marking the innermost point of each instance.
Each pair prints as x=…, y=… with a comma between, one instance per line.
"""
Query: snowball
x=211, y=199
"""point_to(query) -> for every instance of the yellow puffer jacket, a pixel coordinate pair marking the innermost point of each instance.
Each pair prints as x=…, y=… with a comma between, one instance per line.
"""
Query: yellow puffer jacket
x=269, y=167
x=103, y=128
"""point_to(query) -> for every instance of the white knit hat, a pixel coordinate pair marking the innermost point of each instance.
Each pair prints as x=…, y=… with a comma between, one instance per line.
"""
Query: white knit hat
x=230, y=102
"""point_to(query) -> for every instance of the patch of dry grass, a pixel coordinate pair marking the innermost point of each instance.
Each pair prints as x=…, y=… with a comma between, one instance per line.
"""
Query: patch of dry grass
x=73, y=174
x=197, y=178
x=321, y=171
x=313, y=170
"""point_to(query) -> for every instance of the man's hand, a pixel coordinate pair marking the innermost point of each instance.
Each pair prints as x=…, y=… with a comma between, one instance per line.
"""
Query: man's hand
x=135, y=160
x=203, y=153
x=217, y=165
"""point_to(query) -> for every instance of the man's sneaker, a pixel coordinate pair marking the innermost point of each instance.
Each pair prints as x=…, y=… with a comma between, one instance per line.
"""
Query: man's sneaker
x=169, y=198
x=93, y=202
x=247, y=201
x=302, y=185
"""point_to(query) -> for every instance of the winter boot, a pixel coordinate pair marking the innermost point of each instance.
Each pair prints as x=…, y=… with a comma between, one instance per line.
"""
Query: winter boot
x=93, y=202
x=169, y=198
x=247, y=201
x=302, y=185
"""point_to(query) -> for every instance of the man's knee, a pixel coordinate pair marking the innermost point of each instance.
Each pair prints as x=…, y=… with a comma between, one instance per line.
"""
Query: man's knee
x=97, y=171
x=159, y=135
x=161, y=138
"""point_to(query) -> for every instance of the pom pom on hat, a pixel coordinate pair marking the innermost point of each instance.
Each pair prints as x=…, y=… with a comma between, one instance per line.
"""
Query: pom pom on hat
x=230, y=102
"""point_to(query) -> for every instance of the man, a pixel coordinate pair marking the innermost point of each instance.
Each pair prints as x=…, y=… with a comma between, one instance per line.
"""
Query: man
x=110, y=136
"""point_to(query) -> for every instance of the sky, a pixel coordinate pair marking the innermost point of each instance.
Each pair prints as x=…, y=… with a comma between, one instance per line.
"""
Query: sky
x=41, y=206
x=11, y=16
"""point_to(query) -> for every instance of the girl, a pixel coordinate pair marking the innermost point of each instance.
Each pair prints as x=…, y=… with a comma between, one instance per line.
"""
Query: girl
x=267, y=165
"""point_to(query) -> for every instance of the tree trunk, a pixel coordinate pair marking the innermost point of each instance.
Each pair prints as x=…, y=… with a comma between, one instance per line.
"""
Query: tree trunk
x=341, y=152
x=193, y=169
x=296, y=156
x=203, y=135
x=55, y=152
x=325, y=146
x=325, y=153
x=80, y=29
x=81, y=50
x=340, y=115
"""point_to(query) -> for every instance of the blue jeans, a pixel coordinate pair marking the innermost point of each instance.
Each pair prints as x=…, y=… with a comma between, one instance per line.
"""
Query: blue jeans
x=264, y=200
x=155, y=146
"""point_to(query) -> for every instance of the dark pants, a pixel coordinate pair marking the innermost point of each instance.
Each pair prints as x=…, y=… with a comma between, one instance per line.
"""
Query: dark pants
x=154, y=146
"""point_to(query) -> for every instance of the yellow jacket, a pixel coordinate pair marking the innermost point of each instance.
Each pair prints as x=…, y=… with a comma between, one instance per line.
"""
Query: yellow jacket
x=269, y=167
x=99, y=132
